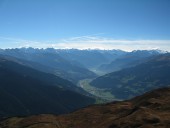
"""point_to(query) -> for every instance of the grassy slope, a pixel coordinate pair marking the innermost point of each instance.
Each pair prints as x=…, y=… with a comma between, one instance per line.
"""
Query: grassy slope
x=150, y=110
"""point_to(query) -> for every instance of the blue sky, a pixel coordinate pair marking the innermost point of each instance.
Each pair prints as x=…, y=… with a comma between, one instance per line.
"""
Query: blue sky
x=107, y=24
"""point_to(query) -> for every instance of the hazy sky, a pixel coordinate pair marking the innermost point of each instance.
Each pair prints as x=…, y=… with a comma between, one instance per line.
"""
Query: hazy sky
x=106, y=24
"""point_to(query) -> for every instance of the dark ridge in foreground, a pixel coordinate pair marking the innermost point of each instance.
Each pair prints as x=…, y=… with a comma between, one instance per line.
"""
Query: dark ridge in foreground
x=151, y=110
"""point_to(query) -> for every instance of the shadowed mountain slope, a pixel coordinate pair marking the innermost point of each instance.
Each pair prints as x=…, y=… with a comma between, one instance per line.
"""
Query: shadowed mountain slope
x=25, y=91
x=130, y=82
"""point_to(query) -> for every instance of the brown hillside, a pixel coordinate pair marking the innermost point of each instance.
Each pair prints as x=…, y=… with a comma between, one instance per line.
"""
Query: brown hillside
x=151, y=110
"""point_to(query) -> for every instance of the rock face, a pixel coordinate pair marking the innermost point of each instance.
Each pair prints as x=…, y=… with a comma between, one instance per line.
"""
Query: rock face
x=151, y=110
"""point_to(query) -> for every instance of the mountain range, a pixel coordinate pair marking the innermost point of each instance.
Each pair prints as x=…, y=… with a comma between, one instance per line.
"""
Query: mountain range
x=49, y=61
x=74, y=64
x=60, y=81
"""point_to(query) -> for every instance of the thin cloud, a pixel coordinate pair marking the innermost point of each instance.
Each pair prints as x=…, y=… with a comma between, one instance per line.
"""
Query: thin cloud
x=94, y=42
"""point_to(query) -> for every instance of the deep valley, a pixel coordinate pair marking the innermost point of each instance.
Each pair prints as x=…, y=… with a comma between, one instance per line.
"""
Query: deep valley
x=37, y=86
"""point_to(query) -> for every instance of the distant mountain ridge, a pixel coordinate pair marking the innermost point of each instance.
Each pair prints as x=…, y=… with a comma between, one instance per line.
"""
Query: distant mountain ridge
x=75, y=65
x=129, y=60
x=90, y=58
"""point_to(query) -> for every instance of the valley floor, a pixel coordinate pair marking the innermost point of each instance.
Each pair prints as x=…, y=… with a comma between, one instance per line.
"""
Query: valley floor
x=102, y=95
